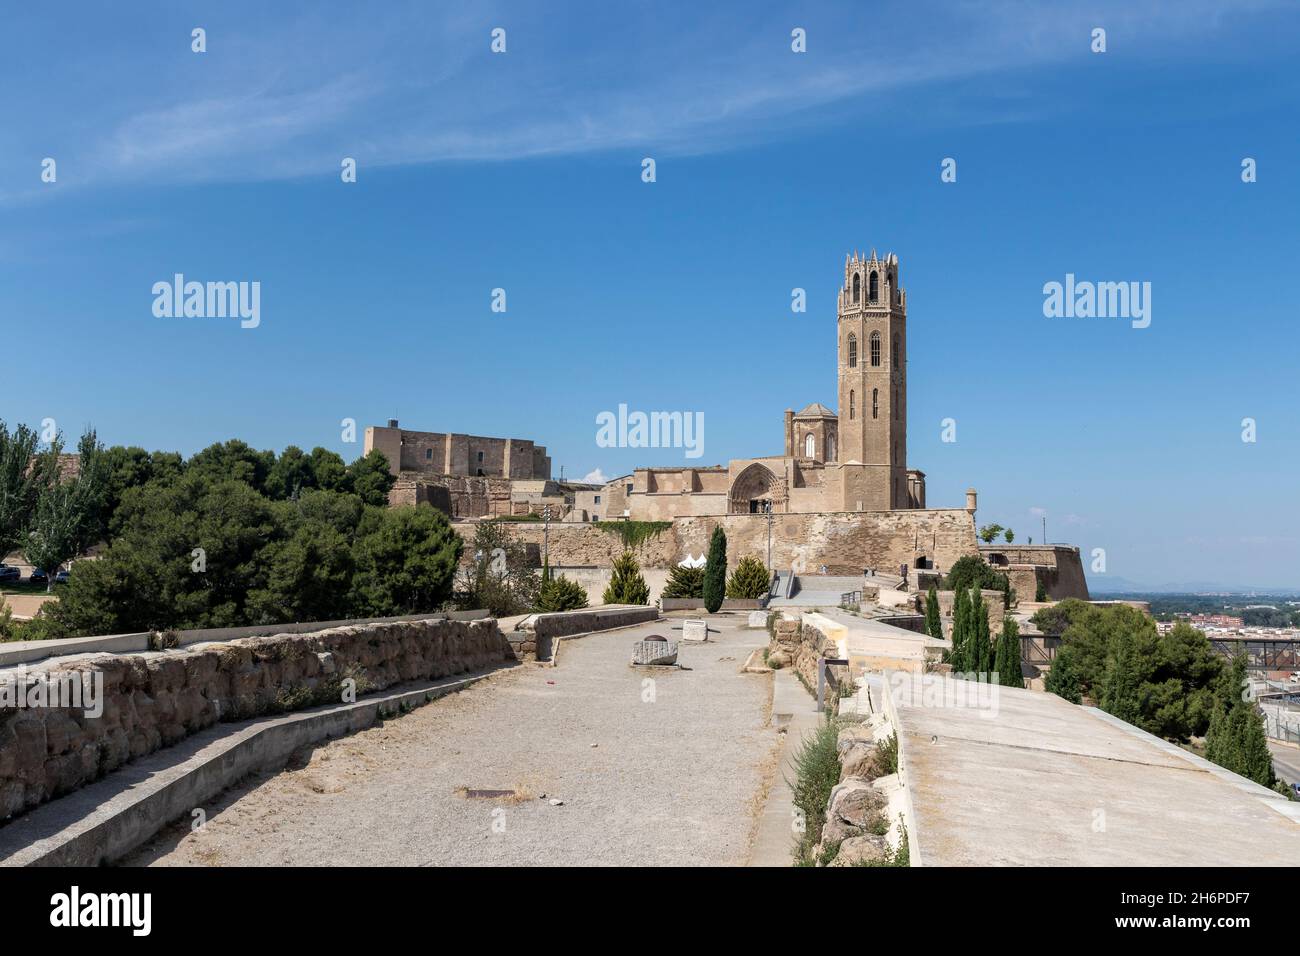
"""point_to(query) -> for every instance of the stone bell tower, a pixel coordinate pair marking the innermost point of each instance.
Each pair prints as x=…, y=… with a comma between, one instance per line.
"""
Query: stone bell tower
x=872, y=351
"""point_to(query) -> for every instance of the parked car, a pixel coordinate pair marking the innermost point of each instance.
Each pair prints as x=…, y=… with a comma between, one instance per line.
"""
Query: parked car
x=9, y=573
x=61, y=577
x=39, y=577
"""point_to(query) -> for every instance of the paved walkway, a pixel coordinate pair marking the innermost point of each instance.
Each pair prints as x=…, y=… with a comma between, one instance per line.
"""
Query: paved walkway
x=655, y=767
x=794, y=709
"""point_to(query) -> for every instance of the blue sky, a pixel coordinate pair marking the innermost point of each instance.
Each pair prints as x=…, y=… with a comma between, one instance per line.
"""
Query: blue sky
x=523, y=171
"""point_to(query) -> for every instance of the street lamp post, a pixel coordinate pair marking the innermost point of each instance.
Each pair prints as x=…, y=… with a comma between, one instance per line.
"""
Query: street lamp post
x=546, y=538
x=767, y=507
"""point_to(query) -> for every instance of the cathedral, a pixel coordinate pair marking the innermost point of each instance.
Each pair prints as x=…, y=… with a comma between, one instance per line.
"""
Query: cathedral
x=853, y=460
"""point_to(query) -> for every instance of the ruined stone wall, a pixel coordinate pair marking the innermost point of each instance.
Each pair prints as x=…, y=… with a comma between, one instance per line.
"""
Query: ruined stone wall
x=844, y=542
x=1058, y=566
x=458, y=495
x=155, y=699
x=799, y=646
x=586, y=545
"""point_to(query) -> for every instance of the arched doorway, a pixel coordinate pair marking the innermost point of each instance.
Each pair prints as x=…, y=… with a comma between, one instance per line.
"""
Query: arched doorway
x=753, y=489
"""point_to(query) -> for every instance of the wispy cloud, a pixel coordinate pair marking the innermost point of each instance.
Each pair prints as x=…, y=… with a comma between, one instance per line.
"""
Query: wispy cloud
x=284, y=94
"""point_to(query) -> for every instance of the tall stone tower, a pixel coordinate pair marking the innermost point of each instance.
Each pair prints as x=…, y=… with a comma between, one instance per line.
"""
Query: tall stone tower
x=872, y=352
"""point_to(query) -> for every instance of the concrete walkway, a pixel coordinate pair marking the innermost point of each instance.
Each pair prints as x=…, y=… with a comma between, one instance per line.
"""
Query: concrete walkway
x=796, y=711
x=654, y=767
x=1018, y=777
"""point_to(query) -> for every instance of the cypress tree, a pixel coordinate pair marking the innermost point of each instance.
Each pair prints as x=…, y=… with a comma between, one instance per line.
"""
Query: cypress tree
x=933, y=623
x=1007, y=663
x=715, y=571
x=1236, y=739
x=980, y=655
x=957, y=656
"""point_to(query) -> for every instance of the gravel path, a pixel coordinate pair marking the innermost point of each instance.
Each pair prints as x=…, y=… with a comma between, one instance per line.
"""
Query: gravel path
x=674, y=780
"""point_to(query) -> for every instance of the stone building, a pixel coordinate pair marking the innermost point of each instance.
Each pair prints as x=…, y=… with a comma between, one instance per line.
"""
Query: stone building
x=470, y=476
x=853, y=461
x=445, y=453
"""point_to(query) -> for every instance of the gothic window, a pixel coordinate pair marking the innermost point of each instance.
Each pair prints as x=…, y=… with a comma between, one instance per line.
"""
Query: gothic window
x=895, y=404
x=850, y=404
x=830, y=447
x=895, y=350
x=873, y=291
x=428, y=454
x=875, y=403
x=810, y=447
x=853, y=350
x=875, y=349
x=857, y=287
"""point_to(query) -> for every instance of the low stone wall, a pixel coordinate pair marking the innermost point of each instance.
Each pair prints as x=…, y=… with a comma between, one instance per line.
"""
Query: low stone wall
x=547, y=627
x=154, y=699
x=799, y=646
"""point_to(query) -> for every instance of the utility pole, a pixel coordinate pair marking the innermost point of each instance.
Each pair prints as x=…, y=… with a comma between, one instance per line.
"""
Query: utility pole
x=1044, y=529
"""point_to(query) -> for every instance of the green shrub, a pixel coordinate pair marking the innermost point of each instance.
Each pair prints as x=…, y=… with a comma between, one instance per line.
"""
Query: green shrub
x=561, y=594
x=626, y=585
x=750, y=580
x=684, y=583
x=817, y=771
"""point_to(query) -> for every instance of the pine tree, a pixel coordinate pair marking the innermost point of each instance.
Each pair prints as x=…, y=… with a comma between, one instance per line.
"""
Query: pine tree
x=1007, y=662
x=933, y=623
x=626, y=585
x=715, y=571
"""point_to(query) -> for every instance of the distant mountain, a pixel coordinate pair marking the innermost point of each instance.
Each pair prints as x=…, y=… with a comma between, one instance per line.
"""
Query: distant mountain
x=1114, y=584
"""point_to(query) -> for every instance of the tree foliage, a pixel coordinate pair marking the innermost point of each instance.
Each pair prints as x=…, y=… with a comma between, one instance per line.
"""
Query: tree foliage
x=20, y=485
x=234, y=536
x=684, y=582
x=1164, y=684
x=69, y=510
x=933, y=619
x=499, y=578
x=1236, y=739
x=1007, y=659
x=715, y=571
x=750, y=580
x=560, y=594
x=972, y=571
x=626, y=585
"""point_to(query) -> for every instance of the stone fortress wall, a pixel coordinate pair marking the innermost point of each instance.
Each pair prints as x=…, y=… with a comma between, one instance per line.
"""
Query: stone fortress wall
x=1058, y=567
x=845, y=542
